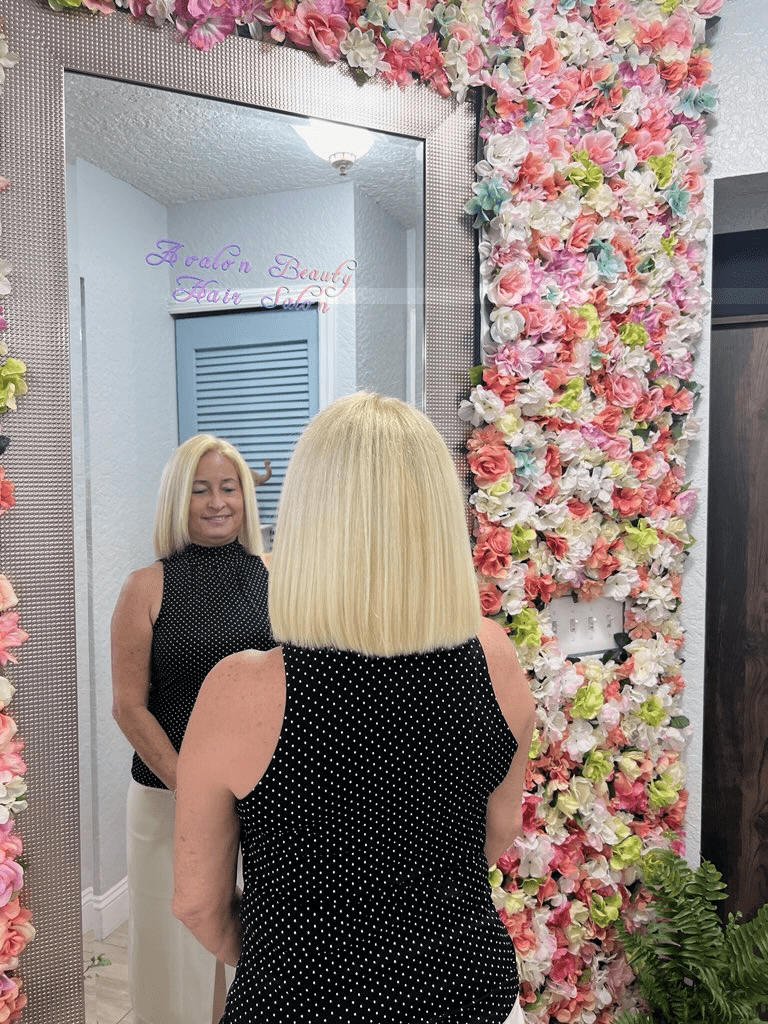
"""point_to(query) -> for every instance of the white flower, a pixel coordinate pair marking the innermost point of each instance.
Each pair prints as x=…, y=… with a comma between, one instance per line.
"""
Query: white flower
x=504, y=153
x=506, y=324
x=7, y=691
x=409, y=23
x=361, y=51
x=161, y=10
x=484, y=406
x=581, y=738
x=535, y=853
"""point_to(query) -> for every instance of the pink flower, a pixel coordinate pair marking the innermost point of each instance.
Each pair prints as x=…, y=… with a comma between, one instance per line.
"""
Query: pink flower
x=10, y=636
x=624, y=390
x=4, y=184
x=314, y=28
x=103, y=7
x=511, y=284
x=600, y=146
x=489, y=464
x=11, y=881
x=7, y=729
x=8, y=598
x=490, y=598
x=16, y=931
x=12, y=999
x=202, y=30
x=7, y=499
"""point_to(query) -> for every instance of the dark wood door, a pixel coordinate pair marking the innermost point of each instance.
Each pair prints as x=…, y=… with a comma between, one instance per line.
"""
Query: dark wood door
x=735, y=783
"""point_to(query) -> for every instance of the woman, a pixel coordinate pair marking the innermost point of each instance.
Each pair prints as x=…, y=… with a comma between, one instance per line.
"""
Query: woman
x=368, y=766
x=204, y=599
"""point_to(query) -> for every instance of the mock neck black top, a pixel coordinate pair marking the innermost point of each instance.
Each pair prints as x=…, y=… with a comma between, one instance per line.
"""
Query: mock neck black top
x=214, y=604
x=366, y=897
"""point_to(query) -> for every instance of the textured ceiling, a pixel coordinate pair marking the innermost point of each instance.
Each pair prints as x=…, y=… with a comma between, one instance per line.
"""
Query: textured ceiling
x=178, y=148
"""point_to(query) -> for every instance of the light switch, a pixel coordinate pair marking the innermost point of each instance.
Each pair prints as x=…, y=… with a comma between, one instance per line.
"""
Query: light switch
x=586, y=627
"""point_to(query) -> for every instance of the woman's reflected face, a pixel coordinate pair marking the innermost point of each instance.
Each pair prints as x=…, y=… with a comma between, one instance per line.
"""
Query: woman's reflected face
x=216, y=503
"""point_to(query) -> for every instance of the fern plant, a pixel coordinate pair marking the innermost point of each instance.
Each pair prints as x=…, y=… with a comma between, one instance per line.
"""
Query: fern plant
x=690, y=968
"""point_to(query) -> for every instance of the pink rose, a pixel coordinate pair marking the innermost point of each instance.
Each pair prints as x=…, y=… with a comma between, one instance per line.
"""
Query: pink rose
x=16, y=931
x=7, y=499
x=624, y=390
x=323, y=32
x=490, y=598
x=489, y=464
x=600, y=146
x=7, y=729
x=511, y=283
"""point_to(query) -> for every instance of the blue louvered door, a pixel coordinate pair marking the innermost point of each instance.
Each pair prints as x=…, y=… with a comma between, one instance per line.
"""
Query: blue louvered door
x=250, y=377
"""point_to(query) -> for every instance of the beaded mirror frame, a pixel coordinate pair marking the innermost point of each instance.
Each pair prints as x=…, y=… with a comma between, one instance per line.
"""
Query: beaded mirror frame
x=40, y=547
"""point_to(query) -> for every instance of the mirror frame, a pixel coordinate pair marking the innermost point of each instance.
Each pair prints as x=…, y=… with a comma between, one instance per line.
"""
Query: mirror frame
x=39, y=550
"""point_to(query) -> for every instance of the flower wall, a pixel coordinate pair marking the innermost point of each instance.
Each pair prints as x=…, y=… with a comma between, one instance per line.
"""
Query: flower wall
x=589, y=200
x=15, y=926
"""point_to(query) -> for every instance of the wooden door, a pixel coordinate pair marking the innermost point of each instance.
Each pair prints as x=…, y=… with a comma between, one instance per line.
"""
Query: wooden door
x=735, y=778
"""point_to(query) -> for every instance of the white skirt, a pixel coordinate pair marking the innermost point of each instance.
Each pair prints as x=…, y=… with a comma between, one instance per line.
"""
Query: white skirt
x=170, y=975
x=517, y=1016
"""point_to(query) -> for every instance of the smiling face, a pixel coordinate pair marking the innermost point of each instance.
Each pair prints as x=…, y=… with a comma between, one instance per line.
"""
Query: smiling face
x=216, y=503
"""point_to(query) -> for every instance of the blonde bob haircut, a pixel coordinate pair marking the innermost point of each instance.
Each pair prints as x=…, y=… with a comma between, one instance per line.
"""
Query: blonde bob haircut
x=371, y=551
x=171, y=532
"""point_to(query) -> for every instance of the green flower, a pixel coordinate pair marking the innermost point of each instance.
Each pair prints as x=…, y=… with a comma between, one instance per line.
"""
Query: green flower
x=535, y=748
x=652, y=711
x=668, y=244
x=667, y=6
x=663, y=791
x=627, y=852
x=585, y=175
x=12, y=383
x=597, y=765
x=571, y=397
x=587, y=701
x=604, y=909
x=589, y=313
x=641, y=538
x=662, y=167
x=515, y=902
x=531, y=885
x=495, y=878
x=521, y=538
x=525, y=628
x=633, y=334
x=60, y=5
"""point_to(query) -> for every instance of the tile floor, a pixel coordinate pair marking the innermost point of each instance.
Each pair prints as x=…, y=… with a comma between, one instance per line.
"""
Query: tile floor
x=106, y=988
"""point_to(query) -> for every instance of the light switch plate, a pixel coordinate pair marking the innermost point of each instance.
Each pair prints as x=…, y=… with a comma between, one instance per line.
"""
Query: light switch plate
x=586, y=627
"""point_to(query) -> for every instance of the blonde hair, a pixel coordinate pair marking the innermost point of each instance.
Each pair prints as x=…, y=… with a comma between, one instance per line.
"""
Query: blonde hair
x=371, y=551
x=171, y=531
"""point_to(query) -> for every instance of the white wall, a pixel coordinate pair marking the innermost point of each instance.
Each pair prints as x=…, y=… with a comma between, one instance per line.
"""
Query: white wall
x=314, y=225
x=738, y=145
x=124, y=425
x=381, y=314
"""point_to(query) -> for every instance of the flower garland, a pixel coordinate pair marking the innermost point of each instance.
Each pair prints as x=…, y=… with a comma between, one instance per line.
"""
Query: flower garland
x=15, y=926
x=590, y=201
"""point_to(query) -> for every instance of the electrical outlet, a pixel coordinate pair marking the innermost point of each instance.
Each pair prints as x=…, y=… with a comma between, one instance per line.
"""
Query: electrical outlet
x=586, y=627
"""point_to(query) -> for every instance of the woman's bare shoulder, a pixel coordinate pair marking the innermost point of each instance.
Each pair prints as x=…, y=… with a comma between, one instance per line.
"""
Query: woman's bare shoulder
x=246, y=680
x=510, y=682
x=141, y=595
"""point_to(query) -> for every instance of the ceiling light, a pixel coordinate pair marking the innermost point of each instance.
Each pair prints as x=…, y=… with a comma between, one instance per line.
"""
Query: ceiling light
x=340, y=144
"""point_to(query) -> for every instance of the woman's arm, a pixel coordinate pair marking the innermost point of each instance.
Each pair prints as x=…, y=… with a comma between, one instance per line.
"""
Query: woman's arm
x=132, y=620
x=229, y=742
x=504, y=813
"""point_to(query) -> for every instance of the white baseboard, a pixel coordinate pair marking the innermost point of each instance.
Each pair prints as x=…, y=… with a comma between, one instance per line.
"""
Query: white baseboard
x=104, y=913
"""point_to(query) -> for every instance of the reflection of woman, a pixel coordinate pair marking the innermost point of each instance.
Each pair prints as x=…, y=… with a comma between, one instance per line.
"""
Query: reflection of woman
x=368, y=765
x=206, y=598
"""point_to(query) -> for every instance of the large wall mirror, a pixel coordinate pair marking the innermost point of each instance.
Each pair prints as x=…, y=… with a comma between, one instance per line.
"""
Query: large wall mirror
x=122, y=142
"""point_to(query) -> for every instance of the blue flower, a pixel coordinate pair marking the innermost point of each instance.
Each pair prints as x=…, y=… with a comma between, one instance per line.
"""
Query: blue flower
x=678, y=200
x=488, y=197
x=609, y=263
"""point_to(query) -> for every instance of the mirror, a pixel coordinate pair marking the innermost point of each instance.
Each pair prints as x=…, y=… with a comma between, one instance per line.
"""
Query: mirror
x=211, y=229
x=61, y=503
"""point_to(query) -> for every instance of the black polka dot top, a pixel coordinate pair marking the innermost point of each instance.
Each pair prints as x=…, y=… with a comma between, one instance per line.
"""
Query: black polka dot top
x=214, y=604
x=366, y=897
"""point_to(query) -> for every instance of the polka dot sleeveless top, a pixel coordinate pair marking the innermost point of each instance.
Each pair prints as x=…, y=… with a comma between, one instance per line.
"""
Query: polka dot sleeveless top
x=214, y=604
x=366, y=897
